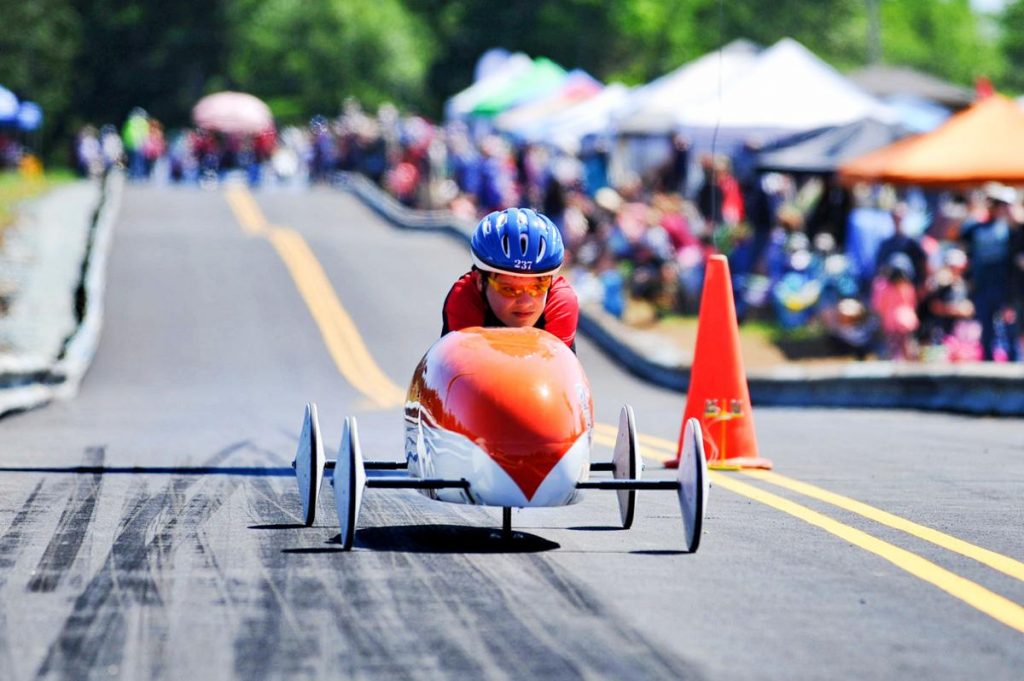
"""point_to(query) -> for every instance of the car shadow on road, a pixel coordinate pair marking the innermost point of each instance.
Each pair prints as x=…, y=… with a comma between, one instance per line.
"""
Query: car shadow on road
x=596, y=528
x=449, y=539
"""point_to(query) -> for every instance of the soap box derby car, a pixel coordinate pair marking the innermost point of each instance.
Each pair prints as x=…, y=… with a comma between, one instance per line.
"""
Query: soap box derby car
x=499, y=417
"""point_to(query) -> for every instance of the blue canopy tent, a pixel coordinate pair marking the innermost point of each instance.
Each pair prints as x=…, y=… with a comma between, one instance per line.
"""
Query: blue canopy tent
x=8, y=106
x=20, y=123
x=916, y=113
x=822, y=151
x=29, y=117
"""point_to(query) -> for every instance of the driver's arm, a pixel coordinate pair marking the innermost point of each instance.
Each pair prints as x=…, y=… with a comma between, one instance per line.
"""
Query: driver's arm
x=463, y=306
x=562, y=312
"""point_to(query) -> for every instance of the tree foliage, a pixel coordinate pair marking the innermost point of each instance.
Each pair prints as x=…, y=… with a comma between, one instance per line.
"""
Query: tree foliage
x=37, y=64
x=159, y=55
x=833, y=29
x=1012, y=44
x=308, y=57
x=93, y=60
x=942, y=37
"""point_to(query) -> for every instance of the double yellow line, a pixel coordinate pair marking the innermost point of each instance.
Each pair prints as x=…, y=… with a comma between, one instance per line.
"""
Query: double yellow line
x=340, y=335
x=358, y=367
x=992, y=604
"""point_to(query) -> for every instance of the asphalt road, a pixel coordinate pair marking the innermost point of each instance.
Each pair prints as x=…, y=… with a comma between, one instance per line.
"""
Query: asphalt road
x=179, y=553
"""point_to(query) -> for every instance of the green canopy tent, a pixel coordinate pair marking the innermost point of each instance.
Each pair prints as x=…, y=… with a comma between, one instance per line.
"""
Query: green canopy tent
x=540, y=79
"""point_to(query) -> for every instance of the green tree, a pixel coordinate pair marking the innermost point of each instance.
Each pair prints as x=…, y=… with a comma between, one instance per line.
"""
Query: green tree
x=1012, y=44
x=942, y=37
x=659, y=35
x=308, y=57
x=38, y=44
x=655, y=37
x=826, y=27
x=159, y=55
x=93, y=60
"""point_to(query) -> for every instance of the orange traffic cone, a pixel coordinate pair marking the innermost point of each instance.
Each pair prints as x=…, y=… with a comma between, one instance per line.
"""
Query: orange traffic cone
x=718, y=395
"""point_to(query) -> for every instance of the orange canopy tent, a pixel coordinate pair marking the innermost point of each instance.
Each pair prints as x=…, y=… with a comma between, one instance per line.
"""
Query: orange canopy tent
x=982, y=143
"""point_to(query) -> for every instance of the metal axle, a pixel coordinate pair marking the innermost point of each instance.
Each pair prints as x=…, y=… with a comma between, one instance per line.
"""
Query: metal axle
x=629, y=484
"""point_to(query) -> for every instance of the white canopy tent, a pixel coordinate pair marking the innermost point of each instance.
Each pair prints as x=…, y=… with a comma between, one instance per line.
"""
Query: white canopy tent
x=589, y=117
x=787, y=89
x=653, y=109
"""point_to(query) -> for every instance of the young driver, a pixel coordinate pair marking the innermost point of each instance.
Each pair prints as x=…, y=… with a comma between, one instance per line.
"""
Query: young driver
x=514, y=280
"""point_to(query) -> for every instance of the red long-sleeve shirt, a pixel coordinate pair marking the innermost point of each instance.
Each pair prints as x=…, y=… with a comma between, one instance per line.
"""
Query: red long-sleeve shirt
x=466, y=306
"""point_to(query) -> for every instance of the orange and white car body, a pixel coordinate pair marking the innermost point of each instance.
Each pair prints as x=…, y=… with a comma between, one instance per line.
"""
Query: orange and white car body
x=509, y=410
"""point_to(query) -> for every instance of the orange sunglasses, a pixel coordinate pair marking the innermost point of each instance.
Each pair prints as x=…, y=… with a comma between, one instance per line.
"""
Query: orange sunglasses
x=535, y=289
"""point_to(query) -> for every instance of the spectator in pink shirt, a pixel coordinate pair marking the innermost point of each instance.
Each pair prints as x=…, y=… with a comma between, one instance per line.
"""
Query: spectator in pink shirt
x=895, y=301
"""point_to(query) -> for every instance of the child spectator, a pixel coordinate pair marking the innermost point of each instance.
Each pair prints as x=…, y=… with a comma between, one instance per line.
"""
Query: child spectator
x=895, y=302
x=946, y=310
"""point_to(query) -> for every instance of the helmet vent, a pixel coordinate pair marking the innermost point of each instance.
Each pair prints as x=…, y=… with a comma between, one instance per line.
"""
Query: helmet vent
x=542, y=248
x=504, y=245
x=524, y=241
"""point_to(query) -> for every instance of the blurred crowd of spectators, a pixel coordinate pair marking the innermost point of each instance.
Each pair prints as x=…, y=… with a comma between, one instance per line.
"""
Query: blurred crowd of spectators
x=898, y=275
x=17, y=154
x=10, y=151
x=190, y=156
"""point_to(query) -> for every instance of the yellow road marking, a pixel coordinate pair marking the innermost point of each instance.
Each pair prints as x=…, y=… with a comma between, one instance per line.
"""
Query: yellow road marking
x=337, y=329
x=996, y=561
x=994, y=605
x=651, y=441
x=978, y=597
x=339, y=333
x=602, y=439
x=247, y=212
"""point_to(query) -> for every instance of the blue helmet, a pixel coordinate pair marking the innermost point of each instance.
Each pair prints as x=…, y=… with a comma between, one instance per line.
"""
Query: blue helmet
x=517, y=241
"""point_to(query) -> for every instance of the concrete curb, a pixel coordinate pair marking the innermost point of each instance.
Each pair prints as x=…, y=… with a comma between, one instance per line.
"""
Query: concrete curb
x=26, y=384
x=402, y=216
x=80, y=347
x=982, y=389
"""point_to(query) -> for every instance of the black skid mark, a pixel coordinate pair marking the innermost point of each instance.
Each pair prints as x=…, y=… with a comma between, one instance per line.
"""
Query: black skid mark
x=72, y=528
x=457, y=612
x=613, y=648
x=202, y=549
x=94, y=634
x=264, y=646
x=11, y=543
x=427, y=615
x=476, y=601
x=14, y=536
x=413, y=614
